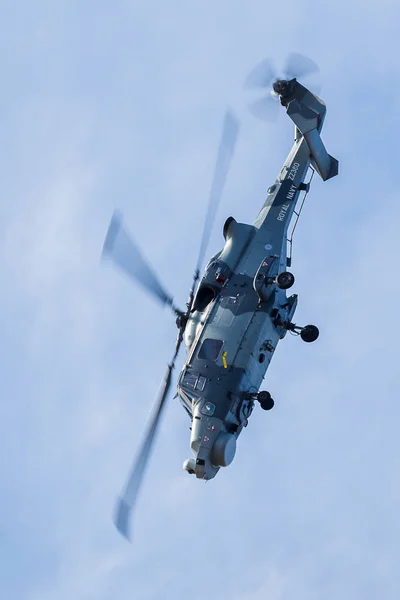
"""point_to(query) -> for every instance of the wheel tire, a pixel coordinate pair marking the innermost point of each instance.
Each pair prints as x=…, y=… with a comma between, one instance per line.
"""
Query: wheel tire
x=263, y=396
x=265, y=400
x=285, y=280
x=310, y=333
x=267, y=404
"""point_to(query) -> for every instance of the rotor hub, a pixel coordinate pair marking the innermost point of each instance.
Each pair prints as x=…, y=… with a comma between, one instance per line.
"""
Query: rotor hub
x=280, y=86
x=284, y=88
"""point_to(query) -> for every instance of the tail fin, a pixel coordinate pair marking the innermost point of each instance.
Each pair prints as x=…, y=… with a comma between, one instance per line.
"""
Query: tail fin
x=326, y=165
x=307, y=113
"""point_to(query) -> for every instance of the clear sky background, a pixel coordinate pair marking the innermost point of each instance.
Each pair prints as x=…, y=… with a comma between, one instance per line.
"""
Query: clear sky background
x=120, y=104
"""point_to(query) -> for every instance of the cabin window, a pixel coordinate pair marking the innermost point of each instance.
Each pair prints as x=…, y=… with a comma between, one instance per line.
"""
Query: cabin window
x=210, y=349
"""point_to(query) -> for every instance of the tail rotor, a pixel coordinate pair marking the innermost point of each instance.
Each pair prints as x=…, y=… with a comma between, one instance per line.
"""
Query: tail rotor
x=265, y=77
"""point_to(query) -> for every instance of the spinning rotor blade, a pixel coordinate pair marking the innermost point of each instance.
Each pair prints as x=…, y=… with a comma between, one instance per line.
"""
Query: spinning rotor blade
x=129, y=495
x=299, y=66
x=224, y=158
x=266, y=108
x=119, y=246
x=262, y=76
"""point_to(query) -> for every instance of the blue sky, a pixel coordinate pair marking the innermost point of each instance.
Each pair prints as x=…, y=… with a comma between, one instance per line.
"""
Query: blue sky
x=122, y=106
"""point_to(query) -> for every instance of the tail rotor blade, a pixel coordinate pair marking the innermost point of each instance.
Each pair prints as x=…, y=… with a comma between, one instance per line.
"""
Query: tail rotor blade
x=262, y=76
x=266, y=108
x=299, y=66
x=224, y=158
x=120, y=247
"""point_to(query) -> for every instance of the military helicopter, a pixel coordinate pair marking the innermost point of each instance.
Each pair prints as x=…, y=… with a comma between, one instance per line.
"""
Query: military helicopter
x=239, y=310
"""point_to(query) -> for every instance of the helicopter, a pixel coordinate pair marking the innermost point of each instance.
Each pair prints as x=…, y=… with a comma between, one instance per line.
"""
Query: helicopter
x=239, y=310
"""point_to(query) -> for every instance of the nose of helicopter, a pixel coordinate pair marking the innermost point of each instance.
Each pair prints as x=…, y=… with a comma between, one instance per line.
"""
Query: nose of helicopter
x=224, y=449
x=211, y=444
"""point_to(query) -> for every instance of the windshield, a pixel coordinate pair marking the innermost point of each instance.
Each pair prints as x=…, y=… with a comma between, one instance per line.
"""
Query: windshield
x=194, y=381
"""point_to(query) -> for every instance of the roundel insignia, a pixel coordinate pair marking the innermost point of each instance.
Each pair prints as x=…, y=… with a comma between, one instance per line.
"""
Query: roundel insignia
x=268, y=247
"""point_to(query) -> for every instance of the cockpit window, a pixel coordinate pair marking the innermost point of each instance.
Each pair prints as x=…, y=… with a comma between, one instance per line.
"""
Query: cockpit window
x=210, y=349
x=190, y=379
x=201, y=382
x=193, y=380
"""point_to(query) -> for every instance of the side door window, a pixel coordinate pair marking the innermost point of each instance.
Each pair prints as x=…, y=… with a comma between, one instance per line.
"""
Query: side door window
x=210, y=349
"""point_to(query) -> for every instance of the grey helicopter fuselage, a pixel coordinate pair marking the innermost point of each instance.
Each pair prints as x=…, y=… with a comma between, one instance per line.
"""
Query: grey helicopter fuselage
x=240, y=312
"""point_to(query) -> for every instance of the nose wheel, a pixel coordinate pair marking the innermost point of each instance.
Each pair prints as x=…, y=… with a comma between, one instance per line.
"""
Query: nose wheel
x=266, y=401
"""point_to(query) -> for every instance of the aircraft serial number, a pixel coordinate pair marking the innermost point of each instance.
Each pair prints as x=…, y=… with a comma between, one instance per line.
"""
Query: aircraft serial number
x=293, y=171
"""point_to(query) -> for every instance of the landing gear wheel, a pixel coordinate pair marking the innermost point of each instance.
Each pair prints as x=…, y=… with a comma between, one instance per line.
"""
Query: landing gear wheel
x=268, y=404
x=285, y=280
x=309, y=333
x=265, y=400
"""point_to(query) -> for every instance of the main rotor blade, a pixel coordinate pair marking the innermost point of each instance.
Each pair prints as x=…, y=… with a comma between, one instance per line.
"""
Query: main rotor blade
x=266, y=108
x=224, y=159
x=129, y=495
x=262, y=76
x=120, y=247
x=299, y=66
